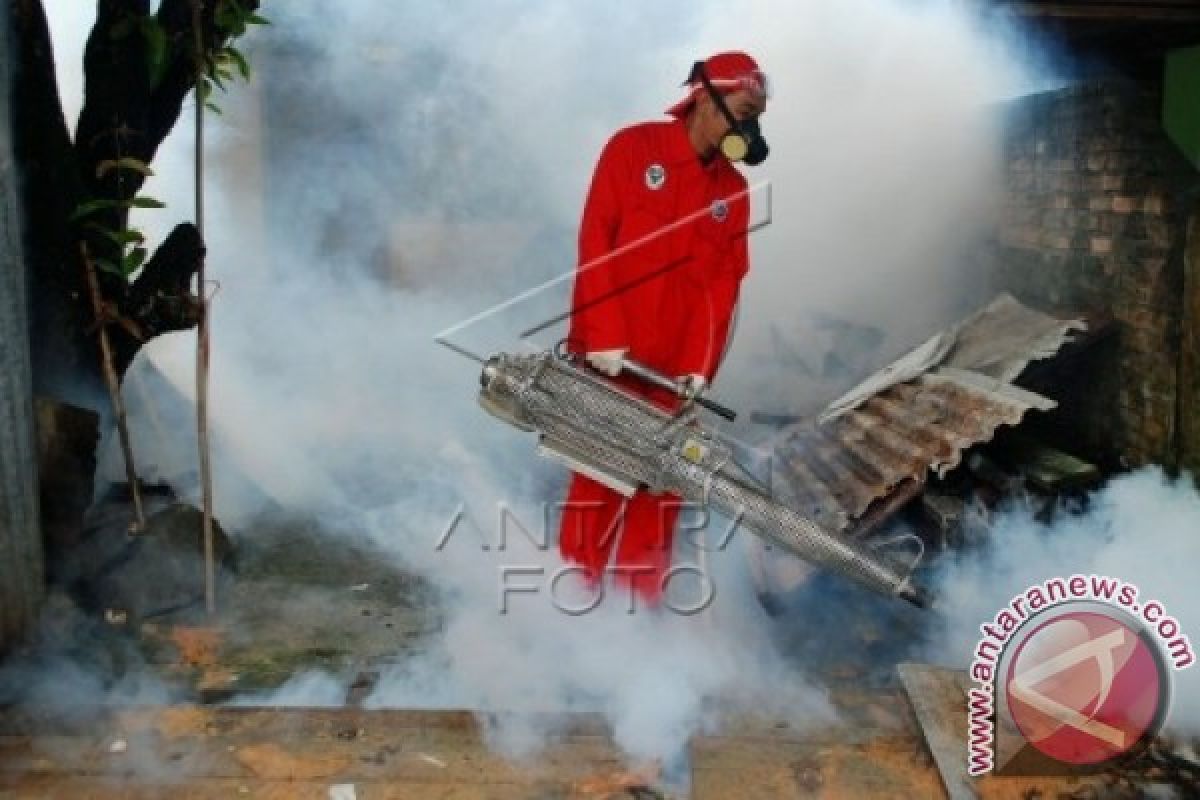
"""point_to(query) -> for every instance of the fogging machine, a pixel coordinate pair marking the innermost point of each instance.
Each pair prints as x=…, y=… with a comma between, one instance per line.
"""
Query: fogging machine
x=623, y=441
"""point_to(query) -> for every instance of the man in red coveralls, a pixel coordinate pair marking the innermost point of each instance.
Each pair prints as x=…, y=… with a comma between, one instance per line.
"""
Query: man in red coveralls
x=662, y=253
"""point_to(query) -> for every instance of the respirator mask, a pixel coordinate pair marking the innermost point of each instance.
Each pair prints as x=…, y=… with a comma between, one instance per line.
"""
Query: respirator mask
x=744, y=141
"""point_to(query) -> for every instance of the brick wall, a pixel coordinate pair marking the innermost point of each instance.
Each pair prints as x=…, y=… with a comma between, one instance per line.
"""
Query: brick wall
x=1189, y=397
x=1095, y=219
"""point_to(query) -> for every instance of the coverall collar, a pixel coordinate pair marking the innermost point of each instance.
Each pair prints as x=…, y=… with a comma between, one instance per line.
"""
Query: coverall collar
x=681, y=152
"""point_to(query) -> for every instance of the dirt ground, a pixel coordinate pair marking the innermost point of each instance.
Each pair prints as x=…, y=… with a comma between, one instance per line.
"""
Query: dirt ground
x=300, y=601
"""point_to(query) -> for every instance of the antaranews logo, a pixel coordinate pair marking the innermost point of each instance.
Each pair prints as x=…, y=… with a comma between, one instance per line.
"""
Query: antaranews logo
x=1072, y=674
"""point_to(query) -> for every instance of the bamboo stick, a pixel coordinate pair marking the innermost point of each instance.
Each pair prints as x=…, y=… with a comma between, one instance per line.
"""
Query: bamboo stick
x=114, y=388
x=202, y=332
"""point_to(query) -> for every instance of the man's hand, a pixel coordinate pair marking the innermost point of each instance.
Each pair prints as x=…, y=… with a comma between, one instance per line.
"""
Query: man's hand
x=692, y=385
x=609, y=362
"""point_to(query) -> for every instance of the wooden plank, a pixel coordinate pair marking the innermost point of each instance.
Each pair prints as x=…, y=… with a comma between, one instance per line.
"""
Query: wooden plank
x=66, y=787
x=872, y=750
x=939, y=698
x=861, y=715
x=300, y=744
x=940, y=703
x=405, y=757
x=291, y=721
x=270, y=752
x=725, y=768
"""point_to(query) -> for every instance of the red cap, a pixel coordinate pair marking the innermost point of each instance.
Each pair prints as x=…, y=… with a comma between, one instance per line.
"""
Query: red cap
x=728, y=72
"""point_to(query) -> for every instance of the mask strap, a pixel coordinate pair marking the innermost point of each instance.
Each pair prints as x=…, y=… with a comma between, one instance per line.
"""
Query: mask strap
x=698, y=71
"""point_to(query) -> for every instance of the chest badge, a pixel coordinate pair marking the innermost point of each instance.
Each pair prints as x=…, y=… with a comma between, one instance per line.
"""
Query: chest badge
x=720, y=210
x=656, y=176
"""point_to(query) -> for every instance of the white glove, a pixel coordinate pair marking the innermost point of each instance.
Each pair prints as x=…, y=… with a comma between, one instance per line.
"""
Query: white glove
x=609, y=362
x=693, y=384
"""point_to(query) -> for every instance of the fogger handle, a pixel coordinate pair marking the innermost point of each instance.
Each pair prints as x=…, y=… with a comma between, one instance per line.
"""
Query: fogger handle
x=656, y=378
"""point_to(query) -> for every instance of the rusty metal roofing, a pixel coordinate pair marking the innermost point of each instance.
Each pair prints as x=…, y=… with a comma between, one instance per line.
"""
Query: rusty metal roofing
x=877, y=445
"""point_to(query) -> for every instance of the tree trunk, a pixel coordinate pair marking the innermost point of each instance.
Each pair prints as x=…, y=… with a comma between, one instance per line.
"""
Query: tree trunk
x=131, y=103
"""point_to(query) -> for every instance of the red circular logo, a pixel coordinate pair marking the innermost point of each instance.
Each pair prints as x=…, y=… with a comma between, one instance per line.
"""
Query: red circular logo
x=1085, y=687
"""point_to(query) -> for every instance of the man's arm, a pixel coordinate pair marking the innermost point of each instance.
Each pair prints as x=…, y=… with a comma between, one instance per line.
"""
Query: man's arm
x=598, y=322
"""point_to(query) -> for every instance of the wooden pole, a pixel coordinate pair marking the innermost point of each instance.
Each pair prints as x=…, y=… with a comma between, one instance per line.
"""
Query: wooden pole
x=114, y=388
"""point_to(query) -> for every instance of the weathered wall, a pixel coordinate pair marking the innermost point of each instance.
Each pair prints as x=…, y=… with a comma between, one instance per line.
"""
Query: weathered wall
x=1097, y=209
x=1189, y=397
x=20, y=538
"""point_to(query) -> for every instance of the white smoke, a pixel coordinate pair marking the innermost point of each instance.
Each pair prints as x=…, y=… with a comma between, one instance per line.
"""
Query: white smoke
x=1141, y=528
x=884, y=170
x=314, y=689
x=657, y=676
x=395, y=169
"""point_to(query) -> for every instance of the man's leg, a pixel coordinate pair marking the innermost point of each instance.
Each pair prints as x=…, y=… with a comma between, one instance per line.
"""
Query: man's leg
x=644, y=552
x=591, y=518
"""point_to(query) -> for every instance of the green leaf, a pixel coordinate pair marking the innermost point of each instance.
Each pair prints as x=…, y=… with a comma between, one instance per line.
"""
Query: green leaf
x=91, y=207
x=213, y=107
x=135, y=164
x=128, y=162
x=142, y=201
x=255, y=19
x=239, y=59
x=122, y=237
x=204, y=90
x=129, y=236
x=131, y=262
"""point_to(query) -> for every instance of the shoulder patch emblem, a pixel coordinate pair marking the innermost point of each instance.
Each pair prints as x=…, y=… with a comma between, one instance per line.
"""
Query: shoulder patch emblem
x=720, y=210
x=656, y=176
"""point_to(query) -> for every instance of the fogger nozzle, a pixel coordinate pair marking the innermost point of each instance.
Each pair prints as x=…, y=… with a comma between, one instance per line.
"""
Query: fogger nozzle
x=919, y=597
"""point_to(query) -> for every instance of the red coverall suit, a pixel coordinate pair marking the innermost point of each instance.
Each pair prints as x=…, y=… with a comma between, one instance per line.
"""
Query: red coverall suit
x=662, y=253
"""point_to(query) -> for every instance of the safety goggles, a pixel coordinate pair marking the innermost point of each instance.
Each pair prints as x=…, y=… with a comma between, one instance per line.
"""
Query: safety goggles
x=755, y=81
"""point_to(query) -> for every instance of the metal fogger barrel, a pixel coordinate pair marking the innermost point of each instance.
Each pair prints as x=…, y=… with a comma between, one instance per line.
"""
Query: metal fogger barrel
x=602, y=431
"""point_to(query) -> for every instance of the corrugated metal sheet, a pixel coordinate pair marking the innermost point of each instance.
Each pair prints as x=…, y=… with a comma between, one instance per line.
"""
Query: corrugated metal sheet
x=882, y=440
x=20, y=537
